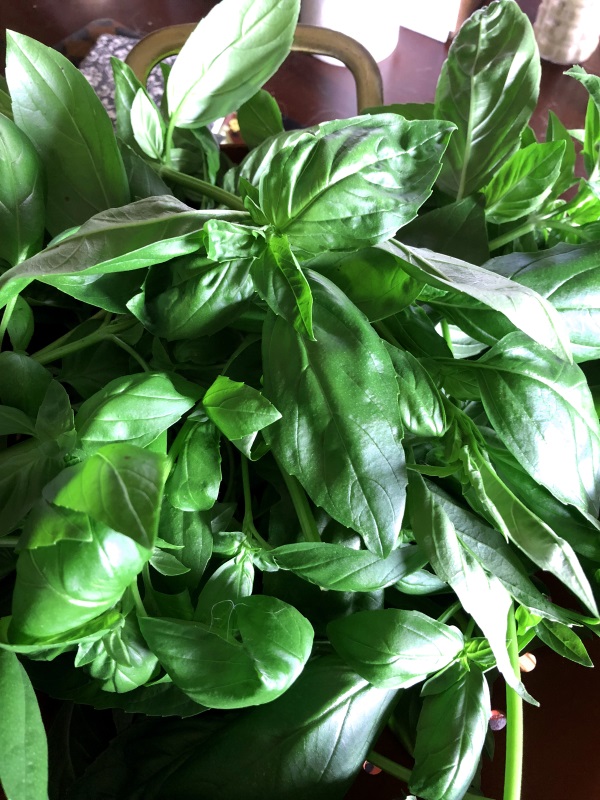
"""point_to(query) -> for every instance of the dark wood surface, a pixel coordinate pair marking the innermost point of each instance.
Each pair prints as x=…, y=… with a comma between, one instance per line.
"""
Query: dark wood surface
x=560, y=737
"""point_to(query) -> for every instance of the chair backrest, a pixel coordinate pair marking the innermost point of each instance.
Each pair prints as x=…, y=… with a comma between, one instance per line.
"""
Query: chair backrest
x=307, y=39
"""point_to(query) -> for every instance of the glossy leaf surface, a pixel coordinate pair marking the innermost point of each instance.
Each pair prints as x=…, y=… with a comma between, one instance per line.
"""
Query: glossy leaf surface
x=339, y=432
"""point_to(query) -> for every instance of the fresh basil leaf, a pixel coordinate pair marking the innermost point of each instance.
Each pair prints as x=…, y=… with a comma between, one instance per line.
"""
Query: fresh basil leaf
x=525, y=309
x=355, y=183
x=236, y=409
x=339, y=432
x=143, y=180
x=496, y=556
x=523, y=183
x=232, y=52
x=333, y=566
x=591, y=156
x=274, y=643
x=481, y=594
x=62, y=587
x=447, y=755
x=194, y=484
x=564, y=641
x=229, y=585
x=55, y=106
x=457, y=229
x=488, y=88
x=134, y=408
x=556, y=132
x=120, y=485
x=148, y=126
x=195, y=297
x=25, y=468
x=24, y=383
x=532, y=536
x=24, y=764
x=567, y=276
x=375, y=282
x=5, y=101
x=22, y=206
x=167, y=564
x=520, y=382
x=121, y=660
x=279, y=280
x=420, y=403
x=192, y=533
x=421, y=582
x=127, y=85
x=54, y=420
x=259, y=118
x=143, y=233
x=47, y=524
x=20, y=325
x=394, y=649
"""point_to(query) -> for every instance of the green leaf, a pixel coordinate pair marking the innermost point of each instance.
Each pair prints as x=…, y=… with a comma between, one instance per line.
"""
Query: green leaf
x=22, y=206
x=420, y=403
x=591, y=154
x=532, y=536
x=25, y=468
x=192, y=533
x=346, y=185
x=340, y=430
x=274, y=643
x=48, y=524
x=194, y=484
x=237, y=409
x=488, y=88
x=55, y=106
x=121, y=660
x=229, y=585
x=121, y=486
x=406, y=110
x=495, y=555
x=21, y=324
x=127, y=86
x=457, y=229
x=143, y=180
x=523, y=307
x=556, y=132
x=394, y=649
x=481, y=594
x=259, y=118
x=279, y=280
x=524, y=182
x=375, y=282
x=134, y=408
x=564, y=641
x=148, y=126
x=568, y=276
x=232, y=52
x=167, y=564
x=24, y=763
x=525, y=389
x=60, y=588
x=12, y=421
x=343, y=569
x=143, y=233
x=451, y=733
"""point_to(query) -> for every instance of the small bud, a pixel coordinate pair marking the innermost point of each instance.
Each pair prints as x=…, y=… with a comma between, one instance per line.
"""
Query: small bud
x=371, y=769
x=497, y=720
x=527, y=662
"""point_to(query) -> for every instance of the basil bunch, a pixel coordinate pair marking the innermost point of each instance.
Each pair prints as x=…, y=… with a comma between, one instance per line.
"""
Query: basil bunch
x=284, y=446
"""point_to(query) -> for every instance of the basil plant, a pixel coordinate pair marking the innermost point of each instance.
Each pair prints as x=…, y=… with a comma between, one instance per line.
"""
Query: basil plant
x=295, y=448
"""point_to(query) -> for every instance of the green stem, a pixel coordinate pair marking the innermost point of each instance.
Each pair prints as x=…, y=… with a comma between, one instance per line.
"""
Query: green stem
x=134, y=589
x=52, y=353
x=178, y=442
x=403, y=774
x=69, y=334
x=248, y=525
x=509, y=237
x=128, y=349
x=220, y=196
x=9, y=541
x=10, y=307
x=450, y=612
x=513, y=770
x=302, y=508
